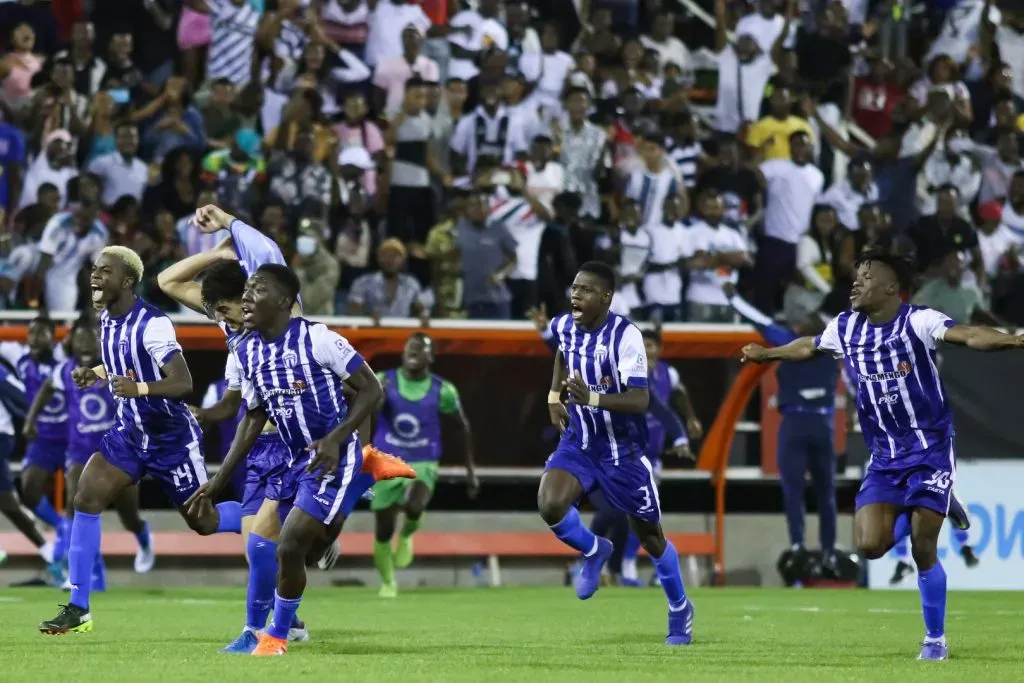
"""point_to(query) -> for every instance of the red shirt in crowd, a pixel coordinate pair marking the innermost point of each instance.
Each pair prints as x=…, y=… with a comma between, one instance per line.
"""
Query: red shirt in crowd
x=873, y=104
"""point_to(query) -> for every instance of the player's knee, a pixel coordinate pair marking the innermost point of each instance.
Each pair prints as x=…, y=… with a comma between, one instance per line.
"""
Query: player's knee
x=552, y=509
x=88, y=502
x=414, y=510
x=873, y=546
x=289, y=552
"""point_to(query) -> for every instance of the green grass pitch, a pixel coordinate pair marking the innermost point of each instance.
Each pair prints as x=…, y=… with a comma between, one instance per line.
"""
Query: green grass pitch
x=518, y=634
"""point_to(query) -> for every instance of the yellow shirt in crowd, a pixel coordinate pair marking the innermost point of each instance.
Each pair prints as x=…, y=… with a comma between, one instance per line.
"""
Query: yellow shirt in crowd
x=772, y=135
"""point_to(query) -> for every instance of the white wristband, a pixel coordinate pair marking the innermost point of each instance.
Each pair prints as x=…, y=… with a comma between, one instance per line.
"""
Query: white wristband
x=143, y=388
x=594, y=399
x=554, y=397
x=100, y=371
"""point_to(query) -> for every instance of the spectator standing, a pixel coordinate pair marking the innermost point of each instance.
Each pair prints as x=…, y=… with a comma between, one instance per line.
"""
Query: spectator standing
x=318, y=271
x=944, y=232
x=547, y=70
x=314, y=71
x=946, y=292
x=714, y=253
x=847, y=196
x=670, y=49
x=12, y=162
x=19, y=65
x=69, y=241
x=356, y=131
x=392, y=73
x=875, y=96
x=488, y=254
x=946, y=166
x=474, y=31
x=238, y=174
x=628, y=249
x=488, y=131
x=233, y=25
x=446, y=111
x=522, y=38
x=220, y=118
x=769, y=137
x=663, y=283
x=122, y=74
x=53, y=166
x=792, y=187
x=158, y=246
x=582, y=145
x=655, y=181
x=346, y=22
x=295, y=178
x=99, y=139
x=192, y=239
x=89, y=69
x=743, y=72
x=121, y=172
x=175, y=186
x=815, y=256
x=387, y=21
x=738, y=185
x=389, y=292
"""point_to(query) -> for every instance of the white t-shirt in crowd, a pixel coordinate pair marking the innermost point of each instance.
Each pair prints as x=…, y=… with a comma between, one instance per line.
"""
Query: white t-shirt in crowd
x=672, y=51
x=766, y=30
x=634, y=253
x=733, y=108
x=847, y=202
x=706, y=283
x=69, y=252
x=650, y=189
x=549, y=73
x=790, y=198
x=39, y=173
x=386, y=25
x=994, y=246
x=120, y=178
x=665, y=287
x=961, y=30
x=486, y=33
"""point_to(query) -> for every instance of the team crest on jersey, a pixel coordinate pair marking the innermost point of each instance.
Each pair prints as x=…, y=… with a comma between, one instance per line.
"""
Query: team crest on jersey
x=903, y=367
x=290, y=359
x=600, y=354
x=299, y=385
x=131, y=375
x=123, y=347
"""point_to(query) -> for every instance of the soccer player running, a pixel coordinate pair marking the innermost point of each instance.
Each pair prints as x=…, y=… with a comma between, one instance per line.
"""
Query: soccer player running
x=410, y=425
x=91, y=413
x=154, y=432
x=268, y=492
x=602, y=366
x=907, y=422
x=295, y=370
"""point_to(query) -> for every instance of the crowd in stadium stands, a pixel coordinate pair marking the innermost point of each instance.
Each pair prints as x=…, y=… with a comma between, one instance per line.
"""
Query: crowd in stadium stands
x=452, y=159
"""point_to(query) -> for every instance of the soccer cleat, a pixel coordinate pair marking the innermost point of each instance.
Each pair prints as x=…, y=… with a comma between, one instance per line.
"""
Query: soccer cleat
x=970, y=559
x=589, y=579
x=403, y=552
x=902, y=571
x=388, y=590
x=958, y=513
x=330, y=556
x=934, y=651
x=680, y=625
x=244, y=644
x=145, y=556
x=269, y=646
x=70, y=619
x=384, y=466
x=297, y=632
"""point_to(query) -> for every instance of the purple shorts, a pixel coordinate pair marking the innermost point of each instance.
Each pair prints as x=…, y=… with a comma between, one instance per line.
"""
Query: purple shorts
x=180, y=471
x=325, y=497
x=48, y=454
x=267, y=475
x=629, y=486
x=922, y=480
x=79, y=453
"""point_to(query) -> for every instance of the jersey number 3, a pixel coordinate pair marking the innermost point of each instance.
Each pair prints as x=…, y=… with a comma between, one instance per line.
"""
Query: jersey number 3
x=646, y=491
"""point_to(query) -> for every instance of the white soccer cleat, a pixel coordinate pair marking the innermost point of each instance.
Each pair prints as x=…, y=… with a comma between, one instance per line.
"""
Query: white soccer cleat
x=145, y=558
x=46, y=552
x=330, y=556
x=298, y=635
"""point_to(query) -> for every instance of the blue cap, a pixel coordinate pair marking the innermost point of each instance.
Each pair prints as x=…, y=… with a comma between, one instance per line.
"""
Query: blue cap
x=249, y=142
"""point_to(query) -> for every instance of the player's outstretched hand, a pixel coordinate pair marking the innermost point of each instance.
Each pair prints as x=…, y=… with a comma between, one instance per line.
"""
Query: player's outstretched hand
x=211, y=218
x=325, y=456
x=472, y=484
x=694, y=429
x=579, y=392
x=681, y=451
x=755, y=353
x=539, y=317
x=84, y=377
x=208, y=491
x=122, y=387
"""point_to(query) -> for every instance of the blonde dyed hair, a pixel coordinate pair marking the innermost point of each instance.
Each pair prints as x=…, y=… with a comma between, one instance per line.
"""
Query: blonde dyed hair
x=129, y=258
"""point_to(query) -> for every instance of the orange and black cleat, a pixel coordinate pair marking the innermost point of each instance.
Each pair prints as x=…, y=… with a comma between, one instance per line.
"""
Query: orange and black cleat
x=269, y=646
x=384, y=466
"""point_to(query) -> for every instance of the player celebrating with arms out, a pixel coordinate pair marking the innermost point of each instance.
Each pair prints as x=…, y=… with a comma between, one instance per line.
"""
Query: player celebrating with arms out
x=295, y=370
x=409, y=423
x=154, y=433
x=603, y=366
x=907, y=422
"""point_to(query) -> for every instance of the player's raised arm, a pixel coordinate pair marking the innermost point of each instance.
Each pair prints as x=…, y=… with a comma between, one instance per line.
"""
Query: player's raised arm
x=160, y=342
x=982, y=338
x=799, y=349
x=178, y=281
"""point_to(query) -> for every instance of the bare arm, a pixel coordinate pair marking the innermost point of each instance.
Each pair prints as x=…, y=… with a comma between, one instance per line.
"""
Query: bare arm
x=368, y=395
x=798, y=350
x=634, y=400
x=43, y=397
x=982, y=338
x=176, y=383
x=224, y=409
x=178, y=281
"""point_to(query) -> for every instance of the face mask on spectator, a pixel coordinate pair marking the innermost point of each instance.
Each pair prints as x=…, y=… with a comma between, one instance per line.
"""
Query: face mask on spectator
x=305, y=245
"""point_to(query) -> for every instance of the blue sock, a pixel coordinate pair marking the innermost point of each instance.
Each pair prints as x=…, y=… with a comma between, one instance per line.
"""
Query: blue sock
x=284, y=613
x=259, y=596
x=230, y=517
x=143, y=536
x=63, y=540
x=296, y=622
x=85, y=546
x=631, y=548
x=932, y=584
x=900, y=549
x=960, y=537
x=572, y=533
x=46, y=512
x=901, y=528
x=667, y=567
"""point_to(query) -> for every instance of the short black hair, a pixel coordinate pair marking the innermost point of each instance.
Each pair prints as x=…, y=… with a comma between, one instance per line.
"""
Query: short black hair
x=899, y=265
x=577, y=90
x=415, y=82
x=601, y=270
x=222, y=281
x=422, y=336
x=651, y=333
x=284, y=276
x=125, y=124
x=45, y=320
x=223, y=80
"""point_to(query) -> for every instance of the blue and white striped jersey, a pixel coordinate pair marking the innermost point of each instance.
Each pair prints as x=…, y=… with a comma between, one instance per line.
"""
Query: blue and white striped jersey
x=298, y=379
x=136, y=345
x=610, y=360
x=900, y=400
